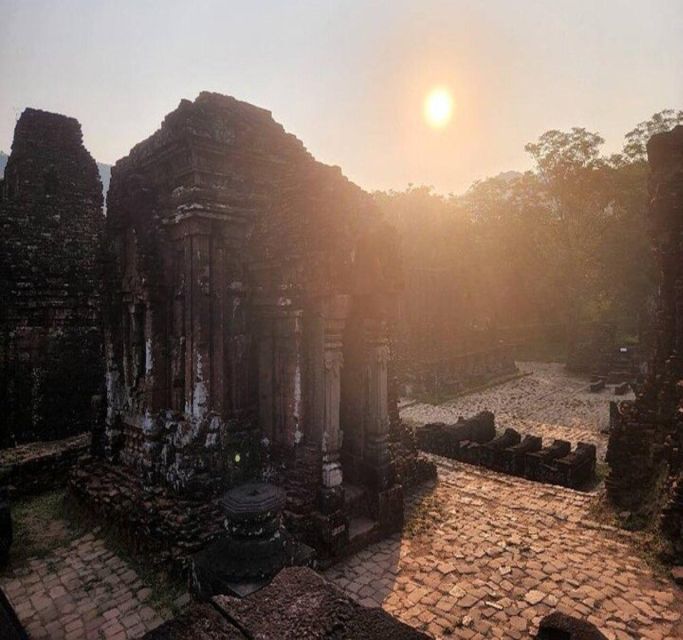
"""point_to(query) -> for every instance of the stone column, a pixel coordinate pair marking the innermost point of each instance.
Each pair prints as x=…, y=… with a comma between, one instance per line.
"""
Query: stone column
x=199, y=399
x=328, y=399
x=377, y=459
x=280, y=372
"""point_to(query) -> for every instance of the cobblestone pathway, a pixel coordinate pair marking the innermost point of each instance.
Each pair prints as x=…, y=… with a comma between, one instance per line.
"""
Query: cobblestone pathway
x=549, y=403
x=81, y=591
x=486, y=556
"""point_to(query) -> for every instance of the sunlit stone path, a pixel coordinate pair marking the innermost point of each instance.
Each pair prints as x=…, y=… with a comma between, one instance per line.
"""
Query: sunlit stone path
x=486, y=556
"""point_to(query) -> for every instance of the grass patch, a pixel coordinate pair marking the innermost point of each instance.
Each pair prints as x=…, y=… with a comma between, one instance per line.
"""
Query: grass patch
x=167, y=587
x=40, y=526
x=647, y=539
x=46, y=522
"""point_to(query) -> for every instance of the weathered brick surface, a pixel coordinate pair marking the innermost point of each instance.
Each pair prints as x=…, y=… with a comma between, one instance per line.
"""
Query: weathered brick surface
x=486, y=555
x=646, y=436
x=249, y=293
x=161, y=526
x=81, y=592
x=50, y=224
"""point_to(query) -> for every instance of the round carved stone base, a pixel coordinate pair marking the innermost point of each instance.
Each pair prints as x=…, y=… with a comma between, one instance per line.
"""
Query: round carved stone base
x=254, y=548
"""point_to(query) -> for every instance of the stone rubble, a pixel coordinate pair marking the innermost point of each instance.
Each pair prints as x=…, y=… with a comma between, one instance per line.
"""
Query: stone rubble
x=41, y=466
x=548, y=402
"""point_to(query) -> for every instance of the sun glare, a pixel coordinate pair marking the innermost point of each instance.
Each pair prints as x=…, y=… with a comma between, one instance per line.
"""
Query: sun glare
x=438, y=108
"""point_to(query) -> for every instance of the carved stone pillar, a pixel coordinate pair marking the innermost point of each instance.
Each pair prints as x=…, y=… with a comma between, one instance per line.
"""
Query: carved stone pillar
x=280, y=373
x=377, y=459
x=331, y=443
x=328, y=399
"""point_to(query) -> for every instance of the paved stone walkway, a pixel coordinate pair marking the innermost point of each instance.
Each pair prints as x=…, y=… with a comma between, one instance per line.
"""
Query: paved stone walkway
x=81, y=591
x=486, y=556
x=550, y=403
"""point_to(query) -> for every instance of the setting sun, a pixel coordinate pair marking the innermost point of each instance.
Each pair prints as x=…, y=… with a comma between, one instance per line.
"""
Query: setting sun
x=438, y=108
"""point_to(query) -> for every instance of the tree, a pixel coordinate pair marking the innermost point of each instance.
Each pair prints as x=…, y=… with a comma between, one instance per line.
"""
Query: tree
x=635, y=147
x=561, y=154
x=573, y=174
x=564, y=243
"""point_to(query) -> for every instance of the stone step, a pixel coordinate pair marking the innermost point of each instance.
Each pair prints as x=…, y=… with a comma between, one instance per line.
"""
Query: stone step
x=361, y=527
x=355, y=500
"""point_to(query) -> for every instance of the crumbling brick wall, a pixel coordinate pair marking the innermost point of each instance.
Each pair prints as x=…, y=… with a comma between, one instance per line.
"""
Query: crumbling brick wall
x=248, y=298
x=50, y=226
x=238, y=268
x=646, y=436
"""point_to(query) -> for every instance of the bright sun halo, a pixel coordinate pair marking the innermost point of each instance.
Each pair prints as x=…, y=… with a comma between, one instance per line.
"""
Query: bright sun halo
x=438, y=108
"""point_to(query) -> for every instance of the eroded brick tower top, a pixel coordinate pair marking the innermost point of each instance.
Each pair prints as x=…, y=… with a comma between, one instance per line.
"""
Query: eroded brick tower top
x=50, y=225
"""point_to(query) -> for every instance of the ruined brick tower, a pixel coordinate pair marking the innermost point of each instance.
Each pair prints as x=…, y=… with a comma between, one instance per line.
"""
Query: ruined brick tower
x=248, y=297
x=645, y=451
x=50, y=337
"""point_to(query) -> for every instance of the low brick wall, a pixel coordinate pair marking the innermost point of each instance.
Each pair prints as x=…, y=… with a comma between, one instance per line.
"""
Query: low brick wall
x=39, y=466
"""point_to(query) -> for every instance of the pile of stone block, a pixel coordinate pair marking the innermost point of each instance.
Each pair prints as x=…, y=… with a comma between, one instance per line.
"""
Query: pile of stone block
x=475, y=441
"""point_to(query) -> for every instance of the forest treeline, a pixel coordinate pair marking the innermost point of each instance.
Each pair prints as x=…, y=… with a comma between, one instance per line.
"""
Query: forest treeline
x=564, y=243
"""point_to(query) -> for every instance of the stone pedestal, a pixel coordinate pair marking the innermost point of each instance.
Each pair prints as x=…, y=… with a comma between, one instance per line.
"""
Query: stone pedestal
x=255, y=547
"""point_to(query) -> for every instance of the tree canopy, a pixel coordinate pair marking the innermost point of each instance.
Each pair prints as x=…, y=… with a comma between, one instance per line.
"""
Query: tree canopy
x=564, y=243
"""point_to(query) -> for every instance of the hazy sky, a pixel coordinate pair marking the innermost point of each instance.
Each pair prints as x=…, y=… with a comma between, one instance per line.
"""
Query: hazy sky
x=349, y=78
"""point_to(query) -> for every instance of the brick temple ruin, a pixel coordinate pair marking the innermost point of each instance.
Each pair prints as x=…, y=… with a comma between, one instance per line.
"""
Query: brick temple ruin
x=250, y=301
x=645, y=450
x=248, y=309
x=50, y=338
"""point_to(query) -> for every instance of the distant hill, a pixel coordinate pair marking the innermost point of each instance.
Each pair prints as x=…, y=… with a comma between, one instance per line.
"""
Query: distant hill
x=104, y=169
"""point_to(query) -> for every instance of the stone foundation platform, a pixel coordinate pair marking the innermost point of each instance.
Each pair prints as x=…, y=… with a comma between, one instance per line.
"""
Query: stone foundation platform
x=170, y=529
